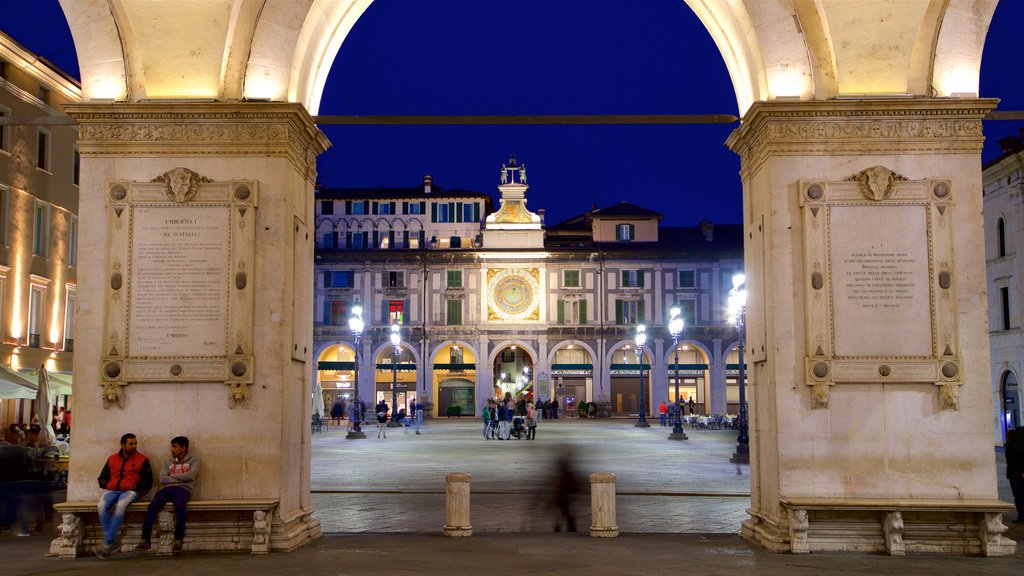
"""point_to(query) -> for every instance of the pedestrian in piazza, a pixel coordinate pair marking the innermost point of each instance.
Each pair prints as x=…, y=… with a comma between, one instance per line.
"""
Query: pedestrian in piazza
x=662, y=412
x=554, y=409
x=382, y=419
x=418, y=415
x=503, y=421
x=486, y=413
x=531, y=421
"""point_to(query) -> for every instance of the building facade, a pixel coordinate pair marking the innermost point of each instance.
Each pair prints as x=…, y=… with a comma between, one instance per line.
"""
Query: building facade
x=1004, y=241
x=38, y=228
x=518, y=307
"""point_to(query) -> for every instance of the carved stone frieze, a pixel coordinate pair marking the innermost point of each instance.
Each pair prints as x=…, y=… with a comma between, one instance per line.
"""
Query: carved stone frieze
x=857, y=127
x=819, y=394
x=242, y=129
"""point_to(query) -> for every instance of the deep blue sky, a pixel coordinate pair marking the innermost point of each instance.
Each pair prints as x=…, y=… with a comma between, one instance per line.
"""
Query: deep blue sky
x=542, y=57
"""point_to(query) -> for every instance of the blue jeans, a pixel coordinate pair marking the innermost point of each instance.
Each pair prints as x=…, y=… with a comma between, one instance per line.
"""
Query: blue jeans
x=487, y=426
x=662, y=415
x=178, y=497
x=119, y=501
x=419, y=419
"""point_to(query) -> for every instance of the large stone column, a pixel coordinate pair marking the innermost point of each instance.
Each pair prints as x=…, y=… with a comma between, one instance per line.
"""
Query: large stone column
x=194, y=297
x=867, y=343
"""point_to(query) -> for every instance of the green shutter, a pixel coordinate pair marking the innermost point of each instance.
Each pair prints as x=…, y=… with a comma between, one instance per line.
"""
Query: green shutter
x=423, y=206
x=327, y=279
x=405, y=239
x=393, y=207
x=640, y=278
x=366, y=206
x=406, y=317
x=458, y=211
x=327, y=312
x=618, y=311
x=374, y=208
x=640, y=310
x=433, y=211
x=391, y=239
x=348, y=240
x=405, y=207
x=451, y=211
x=476, y=212
x=376, y=238
x=422, y=236
x=454, y=312
x=384, y=313
x=583, y=311
x=561, y=311
x=348, y=207
x=632, y=234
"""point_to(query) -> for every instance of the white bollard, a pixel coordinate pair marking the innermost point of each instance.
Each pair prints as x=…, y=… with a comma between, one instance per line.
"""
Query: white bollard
x=457, y=504
x=602, y=506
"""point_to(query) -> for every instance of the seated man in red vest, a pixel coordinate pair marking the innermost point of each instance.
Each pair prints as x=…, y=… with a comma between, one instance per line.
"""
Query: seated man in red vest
x=126, y=476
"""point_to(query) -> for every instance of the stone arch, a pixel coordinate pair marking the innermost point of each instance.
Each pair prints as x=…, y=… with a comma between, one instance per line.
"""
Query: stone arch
x=437, y=349
x=406, y=346
x=669, y=356
x=554, y=349
x=499, y=346
x=283, y=51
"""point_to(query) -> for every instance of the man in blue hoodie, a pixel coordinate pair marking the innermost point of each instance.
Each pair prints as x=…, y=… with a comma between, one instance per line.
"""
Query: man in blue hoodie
x=177, y=479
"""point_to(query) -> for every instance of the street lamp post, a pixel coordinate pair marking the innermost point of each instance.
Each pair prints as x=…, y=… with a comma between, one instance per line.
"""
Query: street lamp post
x=675, y=327
x=737, y=317
x=640, y=339
x=396, y=349
x=355, y=324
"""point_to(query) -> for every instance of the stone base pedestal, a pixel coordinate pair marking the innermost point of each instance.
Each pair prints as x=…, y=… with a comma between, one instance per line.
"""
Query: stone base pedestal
x=970, y=528
x=353, y=435
x=678, y=436
x=642, y=425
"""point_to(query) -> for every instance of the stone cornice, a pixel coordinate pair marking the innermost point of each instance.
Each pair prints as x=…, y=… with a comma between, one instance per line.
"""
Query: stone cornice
x=214, y=128
x=841, y=127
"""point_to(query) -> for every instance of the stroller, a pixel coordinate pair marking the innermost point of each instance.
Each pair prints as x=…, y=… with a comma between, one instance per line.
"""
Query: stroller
x=518, y=431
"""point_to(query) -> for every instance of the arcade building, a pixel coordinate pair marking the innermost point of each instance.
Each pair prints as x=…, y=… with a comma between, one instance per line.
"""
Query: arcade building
x=488, y=302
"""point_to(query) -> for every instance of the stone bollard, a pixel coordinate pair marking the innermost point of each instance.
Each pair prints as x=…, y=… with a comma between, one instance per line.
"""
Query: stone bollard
x=457, y=504
x=602, y=506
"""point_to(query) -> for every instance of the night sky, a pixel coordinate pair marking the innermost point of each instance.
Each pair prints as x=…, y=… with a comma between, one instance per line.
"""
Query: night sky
x=542, y=57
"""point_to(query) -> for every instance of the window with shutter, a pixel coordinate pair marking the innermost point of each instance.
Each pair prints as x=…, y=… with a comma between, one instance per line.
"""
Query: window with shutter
x=561, y=311
x=583, y=311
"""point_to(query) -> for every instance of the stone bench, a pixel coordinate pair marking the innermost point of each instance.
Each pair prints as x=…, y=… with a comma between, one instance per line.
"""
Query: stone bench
x=896, y=526
x=212, y=525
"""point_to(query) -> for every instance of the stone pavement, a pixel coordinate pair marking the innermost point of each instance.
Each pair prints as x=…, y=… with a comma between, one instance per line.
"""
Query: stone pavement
x=372, y=485
x=381, y=503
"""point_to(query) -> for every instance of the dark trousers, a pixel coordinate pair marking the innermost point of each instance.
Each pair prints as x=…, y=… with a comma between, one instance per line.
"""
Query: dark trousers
x=175, y=495
x=531, y=432
x=1017, y=487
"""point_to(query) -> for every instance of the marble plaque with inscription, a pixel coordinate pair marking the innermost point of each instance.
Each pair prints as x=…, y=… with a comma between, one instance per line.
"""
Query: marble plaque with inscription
x=179, y=281
x=880, y=281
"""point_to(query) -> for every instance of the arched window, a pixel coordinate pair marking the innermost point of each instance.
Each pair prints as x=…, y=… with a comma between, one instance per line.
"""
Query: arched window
x=1001, y=240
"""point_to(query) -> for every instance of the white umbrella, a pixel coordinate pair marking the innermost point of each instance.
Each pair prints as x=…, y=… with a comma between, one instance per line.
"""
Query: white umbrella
x=318, y=400
x=46, y=435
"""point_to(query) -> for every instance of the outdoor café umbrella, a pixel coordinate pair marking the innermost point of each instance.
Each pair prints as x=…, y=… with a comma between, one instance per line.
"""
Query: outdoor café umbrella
x=43, y=411
x=318, y=400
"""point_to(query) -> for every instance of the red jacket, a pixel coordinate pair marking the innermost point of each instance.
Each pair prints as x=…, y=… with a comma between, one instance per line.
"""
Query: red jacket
x=132, y=473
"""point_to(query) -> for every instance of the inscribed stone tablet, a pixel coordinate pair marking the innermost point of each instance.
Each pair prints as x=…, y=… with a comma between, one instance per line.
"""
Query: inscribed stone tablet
x=880, y=289
x=179, y=281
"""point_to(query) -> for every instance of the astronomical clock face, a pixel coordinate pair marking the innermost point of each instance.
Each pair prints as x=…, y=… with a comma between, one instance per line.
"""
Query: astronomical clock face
x=512, y=295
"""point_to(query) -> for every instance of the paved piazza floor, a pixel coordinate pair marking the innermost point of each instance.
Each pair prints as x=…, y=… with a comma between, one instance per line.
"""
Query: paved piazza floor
x=663, y=486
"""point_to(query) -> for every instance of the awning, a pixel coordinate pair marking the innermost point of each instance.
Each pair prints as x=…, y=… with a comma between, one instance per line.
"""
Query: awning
x=60, y=383
x=14, y=385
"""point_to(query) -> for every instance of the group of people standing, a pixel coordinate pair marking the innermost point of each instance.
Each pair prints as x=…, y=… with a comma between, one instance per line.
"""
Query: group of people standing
x=413, y=418
x=499, y=416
